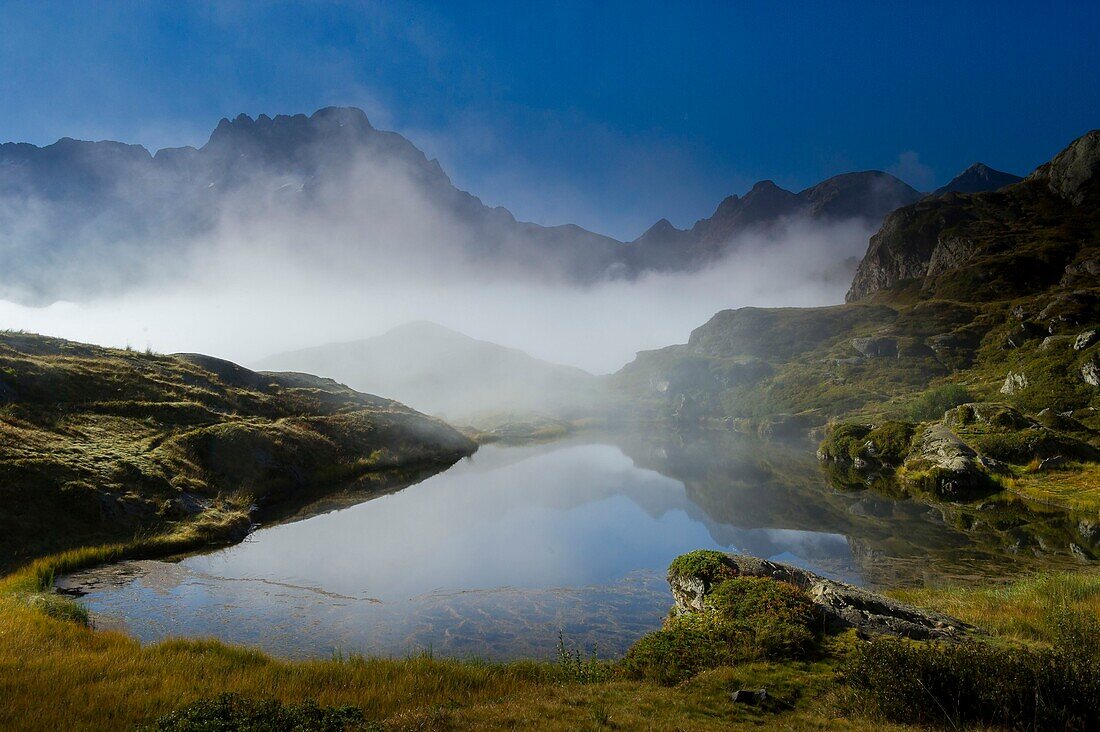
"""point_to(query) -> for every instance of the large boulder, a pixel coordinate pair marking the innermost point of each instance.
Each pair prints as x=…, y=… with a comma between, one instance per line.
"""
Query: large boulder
x=692, y=577
x=945, y=465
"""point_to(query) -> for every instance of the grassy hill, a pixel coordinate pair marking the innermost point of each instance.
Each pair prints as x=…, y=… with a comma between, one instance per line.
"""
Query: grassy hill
x=991, y=299
x=954, y=289
x=99, y=444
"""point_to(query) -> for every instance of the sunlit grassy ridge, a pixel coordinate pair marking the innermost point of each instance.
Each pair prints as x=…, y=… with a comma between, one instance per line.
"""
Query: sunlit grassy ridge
x=102, y=445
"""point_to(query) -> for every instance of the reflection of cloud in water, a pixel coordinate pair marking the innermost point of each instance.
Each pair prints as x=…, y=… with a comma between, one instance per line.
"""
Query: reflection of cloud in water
x=491, y=557
x=571, y=516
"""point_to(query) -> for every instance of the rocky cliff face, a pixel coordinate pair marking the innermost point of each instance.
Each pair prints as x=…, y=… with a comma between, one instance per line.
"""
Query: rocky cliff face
x=1024, y=237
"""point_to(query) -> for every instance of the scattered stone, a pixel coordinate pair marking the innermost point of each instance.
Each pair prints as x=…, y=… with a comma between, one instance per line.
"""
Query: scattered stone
x=1021, y=334
x=1090, y=372
x=1053, y=342
x=1085, y=339
x=749, y=696
x=1050, y=463
x=876, y=347
x=1015, y=382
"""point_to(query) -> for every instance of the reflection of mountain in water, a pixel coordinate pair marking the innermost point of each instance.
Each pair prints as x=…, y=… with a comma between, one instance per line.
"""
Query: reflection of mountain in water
x=495, y=555
x=734, y=480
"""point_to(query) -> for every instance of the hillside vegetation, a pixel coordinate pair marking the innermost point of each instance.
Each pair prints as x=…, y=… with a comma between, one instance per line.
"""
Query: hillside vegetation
x=101, y=444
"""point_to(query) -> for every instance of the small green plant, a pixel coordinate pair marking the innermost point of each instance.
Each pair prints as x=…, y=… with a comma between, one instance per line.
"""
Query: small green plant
x=933, y=403
x=573, y=667
x=234, y=713
x=61, y=608
x=705, y=564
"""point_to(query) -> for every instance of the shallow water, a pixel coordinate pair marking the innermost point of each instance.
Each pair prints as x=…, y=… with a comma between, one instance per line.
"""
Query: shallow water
x=495, y=556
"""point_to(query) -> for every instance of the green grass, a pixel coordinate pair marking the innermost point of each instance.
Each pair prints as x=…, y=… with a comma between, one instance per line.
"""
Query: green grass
x=1027, y=610
x=99, y=445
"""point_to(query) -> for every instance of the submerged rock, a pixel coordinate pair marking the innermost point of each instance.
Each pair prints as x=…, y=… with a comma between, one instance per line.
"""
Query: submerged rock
x=842, y=605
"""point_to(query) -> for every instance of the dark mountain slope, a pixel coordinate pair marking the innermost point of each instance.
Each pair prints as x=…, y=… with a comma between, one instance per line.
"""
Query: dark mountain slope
x=81, y=218
x=978, y=178
x=1023, y=238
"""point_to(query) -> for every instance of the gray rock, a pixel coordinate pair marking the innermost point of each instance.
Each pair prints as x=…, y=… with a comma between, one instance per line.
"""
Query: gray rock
x=1082, y=272
x=1072, y=172
x=876, y=347
x=1085, y=339
x=842, y=605
x=1053, y=462
x=1054, y=341
x=952, y=466
x=749, y=696
x=1014, y=383
x=1090, y=372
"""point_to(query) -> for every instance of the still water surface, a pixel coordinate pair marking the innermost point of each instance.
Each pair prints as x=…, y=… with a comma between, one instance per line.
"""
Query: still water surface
x=495, y=556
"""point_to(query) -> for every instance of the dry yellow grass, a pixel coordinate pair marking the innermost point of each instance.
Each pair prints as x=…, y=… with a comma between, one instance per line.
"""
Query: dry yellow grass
x=57, y=675
x=1076, y=488
x=1026, y=610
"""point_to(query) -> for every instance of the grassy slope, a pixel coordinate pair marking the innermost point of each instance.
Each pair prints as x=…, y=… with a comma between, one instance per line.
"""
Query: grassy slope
x=1014, y=303
x=103, y=445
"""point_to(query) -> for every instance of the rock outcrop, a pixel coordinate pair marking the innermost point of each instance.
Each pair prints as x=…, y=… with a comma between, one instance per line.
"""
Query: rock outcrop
x=951, y=468
x=1073, y=173
x=842, y=605
x=942, y=233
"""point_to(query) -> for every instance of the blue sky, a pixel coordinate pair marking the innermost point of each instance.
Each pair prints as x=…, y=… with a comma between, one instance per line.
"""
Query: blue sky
x=610, y=115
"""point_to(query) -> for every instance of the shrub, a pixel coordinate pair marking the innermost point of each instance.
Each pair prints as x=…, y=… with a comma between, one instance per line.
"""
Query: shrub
x=778, y=616
x=234, y=713
x=887, y=443
x=980, y=684
x=933, y=403
x=743, y=619
x=707, y=564
x=678, y=652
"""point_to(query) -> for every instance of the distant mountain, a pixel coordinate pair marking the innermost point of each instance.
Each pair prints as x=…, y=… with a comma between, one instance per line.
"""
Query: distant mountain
x=78, y=219
x=867, y=196
x=446, y=373
x=978, y=178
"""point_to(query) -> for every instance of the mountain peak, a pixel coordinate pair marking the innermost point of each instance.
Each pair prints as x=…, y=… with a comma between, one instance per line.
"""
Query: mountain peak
x=978, y=178
x=1074, y=173
x=661, y=228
